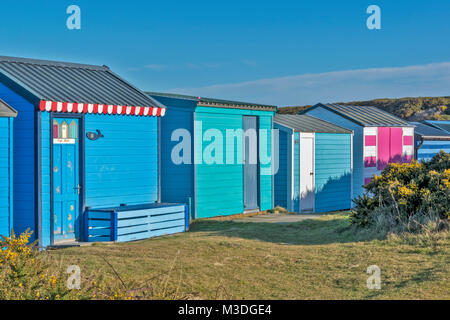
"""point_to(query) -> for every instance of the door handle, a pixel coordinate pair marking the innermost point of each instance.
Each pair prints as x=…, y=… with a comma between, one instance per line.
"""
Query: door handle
x=78, y=188
x=311, y=173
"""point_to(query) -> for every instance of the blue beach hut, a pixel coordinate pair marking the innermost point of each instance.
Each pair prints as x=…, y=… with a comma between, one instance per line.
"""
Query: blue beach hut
x=216, y=170
x=86, y=164
x=315, y=165
x=429, y=141
x=7, y=115
x=439, y=124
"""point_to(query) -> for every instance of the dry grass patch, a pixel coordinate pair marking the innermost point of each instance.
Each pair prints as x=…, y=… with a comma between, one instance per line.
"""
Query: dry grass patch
x=322, y=258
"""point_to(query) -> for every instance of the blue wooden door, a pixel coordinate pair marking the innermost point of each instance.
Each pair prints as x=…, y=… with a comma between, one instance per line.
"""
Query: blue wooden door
x=250, y=163
x=66, y=179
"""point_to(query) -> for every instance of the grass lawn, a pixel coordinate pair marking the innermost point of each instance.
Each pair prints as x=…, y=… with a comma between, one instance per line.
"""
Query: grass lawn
x=312, y=259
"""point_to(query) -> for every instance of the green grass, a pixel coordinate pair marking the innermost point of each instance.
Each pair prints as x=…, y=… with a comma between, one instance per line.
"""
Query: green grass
x=322, y=258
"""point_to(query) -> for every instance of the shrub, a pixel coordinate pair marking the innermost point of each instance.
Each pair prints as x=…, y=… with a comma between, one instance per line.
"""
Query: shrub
x=278, y=209
x=407, y=197
x=440, y=162
x=24, y=275
x=27, y=274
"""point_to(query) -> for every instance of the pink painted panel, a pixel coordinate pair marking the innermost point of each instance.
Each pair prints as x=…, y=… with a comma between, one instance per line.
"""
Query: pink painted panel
x=55, y=131
x=408, y=140
x=384, y=141
x=370, y=161
x=396, y=146
x=370, y=141
x=367, y=180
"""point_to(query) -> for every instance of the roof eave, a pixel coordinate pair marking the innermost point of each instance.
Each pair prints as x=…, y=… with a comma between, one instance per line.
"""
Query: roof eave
x=10, y=111
x=388, y=126
x=19, y=87
x=438, y=138
x=236, y=106
x=215, y=103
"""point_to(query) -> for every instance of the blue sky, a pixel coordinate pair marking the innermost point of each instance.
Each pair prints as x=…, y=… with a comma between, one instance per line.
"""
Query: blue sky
x=278, y=52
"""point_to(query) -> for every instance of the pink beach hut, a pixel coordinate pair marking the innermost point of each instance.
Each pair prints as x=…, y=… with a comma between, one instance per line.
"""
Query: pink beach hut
x=379, y=138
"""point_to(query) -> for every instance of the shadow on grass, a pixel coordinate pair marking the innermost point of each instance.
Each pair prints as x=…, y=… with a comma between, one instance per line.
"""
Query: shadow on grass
x=419, y=278
x=425, y=275
x=324, y=230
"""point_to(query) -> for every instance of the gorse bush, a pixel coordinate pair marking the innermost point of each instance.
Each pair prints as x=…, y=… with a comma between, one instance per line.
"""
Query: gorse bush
x=27, y=274
x=440, y=162
x=407, y=197
x=24, y=275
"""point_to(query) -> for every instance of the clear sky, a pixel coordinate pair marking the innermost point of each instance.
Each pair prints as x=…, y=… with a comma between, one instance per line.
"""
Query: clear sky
x=277, y=52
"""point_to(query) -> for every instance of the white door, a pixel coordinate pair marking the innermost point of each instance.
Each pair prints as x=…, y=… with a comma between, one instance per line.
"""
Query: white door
x=306, y=172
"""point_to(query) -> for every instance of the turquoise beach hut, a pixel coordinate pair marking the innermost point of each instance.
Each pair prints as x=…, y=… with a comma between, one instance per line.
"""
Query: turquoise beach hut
x=216, y=171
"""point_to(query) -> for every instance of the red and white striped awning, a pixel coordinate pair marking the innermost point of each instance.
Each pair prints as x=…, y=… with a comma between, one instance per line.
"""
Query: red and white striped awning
x=67, y=107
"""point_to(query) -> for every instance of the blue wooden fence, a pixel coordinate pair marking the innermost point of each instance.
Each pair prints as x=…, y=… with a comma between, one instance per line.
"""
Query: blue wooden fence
x=128, y=223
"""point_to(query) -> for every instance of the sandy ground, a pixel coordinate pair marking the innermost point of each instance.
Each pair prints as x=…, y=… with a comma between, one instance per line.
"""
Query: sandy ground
x=279, y=218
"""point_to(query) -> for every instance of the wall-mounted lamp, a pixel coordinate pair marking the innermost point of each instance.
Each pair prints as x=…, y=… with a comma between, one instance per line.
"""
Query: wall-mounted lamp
x=94, y=136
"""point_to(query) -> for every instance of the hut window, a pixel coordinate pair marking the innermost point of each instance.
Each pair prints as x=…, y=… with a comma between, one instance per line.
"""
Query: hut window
x=370, y=141
x=407, y=140
x=55, y=129
x=64, y=130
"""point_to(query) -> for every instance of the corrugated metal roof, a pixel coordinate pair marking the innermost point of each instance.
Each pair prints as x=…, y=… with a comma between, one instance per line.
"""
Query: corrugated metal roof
x=440, y=124
x=305, y=123
x=445, y=126
x=428, y=132
x=366, y=116
x=6, y=110
x=217, y=103
x=71, y=82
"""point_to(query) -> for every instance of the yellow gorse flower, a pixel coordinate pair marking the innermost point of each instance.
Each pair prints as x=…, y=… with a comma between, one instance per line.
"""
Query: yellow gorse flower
x=404, y=192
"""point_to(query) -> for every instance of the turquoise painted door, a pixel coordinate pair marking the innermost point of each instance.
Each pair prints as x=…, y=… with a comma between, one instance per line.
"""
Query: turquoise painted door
x=250, y=163
x=66, y=181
